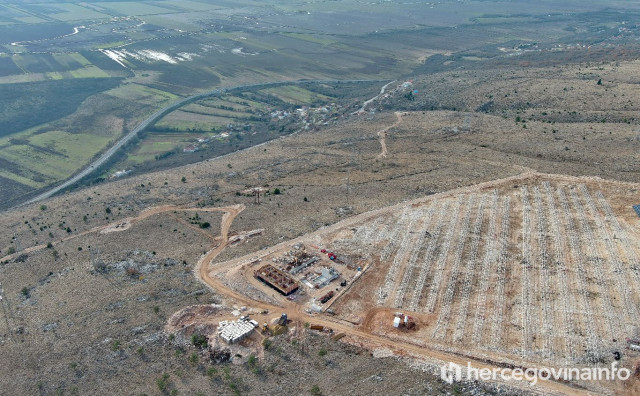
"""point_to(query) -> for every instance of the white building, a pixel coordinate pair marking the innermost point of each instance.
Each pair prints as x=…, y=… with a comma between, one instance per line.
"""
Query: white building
x=235, y=331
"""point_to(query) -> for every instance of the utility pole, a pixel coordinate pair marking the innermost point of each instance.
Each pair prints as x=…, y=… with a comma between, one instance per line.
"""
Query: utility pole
x=348, y=182
x=16, y=241
x=4, y=311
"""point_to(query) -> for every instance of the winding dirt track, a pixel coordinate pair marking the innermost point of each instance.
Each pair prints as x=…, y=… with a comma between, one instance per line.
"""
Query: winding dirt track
x=294, y=311
x=382, y=134
x=130, y=221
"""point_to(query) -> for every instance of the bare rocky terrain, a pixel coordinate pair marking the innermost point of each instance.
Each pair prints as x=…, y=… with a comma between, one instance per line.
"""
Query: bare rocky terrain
x=87, y=314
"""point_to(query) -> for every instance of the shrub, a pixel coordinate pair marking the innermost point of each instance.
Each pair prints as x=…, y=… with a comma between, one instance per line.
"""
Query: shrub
x=322, y=352
x=199, y=340
x=163, y=382
x=43, y=207
x=251, y=362
x=193, y=358
x=116, y=345
x=276, y=191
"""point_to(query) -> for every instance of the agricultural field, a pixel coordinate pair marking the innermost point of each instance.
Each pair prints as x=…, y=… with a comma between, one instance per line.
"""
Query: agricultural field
x=218, y=125
x=467, y=165
x=170, y=50
x=296, y=95
x=54, y=145
x=157, y=146
x=330, y=181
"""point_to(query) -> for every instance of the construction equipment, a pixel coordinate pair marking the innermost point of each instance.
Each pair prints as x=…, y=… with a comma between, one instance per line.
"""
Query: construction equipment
x=327, y=297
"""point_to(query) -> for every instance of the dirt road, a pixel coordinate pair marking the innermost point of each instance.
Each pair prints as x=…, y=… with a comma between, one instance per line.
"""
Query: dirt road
x=367, y=102
x=104, y=157
x=293, y=310
x=126, y=223
x=382, y=134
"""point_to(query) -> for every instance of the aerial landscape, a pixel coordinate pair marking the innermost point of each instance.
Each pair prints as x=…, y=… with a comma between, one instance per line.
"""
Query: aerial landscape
x=319, y=197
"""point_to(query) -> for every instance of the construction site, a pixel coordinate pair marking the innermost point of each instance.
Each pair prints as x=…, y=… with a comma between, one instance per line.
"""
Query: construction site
x=309, y=275
x=533, y=269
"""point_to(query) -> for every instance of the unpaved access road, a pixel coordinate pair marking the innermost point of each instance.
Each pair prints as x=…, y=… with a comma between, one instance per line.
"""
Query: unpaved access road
x=104, y=157
x=382, y=134
x=295, y=311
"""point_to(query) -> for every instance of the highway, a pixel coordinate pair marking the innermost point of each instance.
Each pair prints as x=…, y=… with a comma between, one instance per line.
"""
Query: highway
x=104, y=157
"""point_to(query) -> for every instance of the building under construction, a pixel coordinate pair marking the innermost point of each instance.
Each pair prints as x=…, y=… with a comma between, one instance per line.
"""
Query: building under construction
x=277, y=279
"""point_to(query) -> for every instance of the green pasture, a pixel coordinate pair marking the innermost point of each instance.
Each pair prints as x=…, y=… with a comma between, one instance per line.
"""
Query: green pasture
x=295, y=95
x=158, y=143
x=206, y=110
x=312, y=38
x=217, y=102
x=136, y=8
x=113, y=44
x=241, y=100
x=54, y=155
x=55, y=66
x=142, y=94
x=182, y=121
x=74, y=12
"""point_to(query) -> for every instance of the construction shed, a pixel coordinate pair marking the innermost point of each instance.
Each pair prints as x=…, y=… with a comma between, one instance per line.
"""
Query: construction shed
x=277, y=279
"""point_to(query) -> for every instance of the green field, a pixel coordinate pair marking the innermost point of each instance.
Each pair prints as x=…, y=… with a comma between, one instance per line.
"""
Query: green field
x=182, y=121
x=116, y=62
x=295, y=95
x=208, y=110
x=142, y=94
x=51, y=155
x=157, y=144
x=23, y=106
